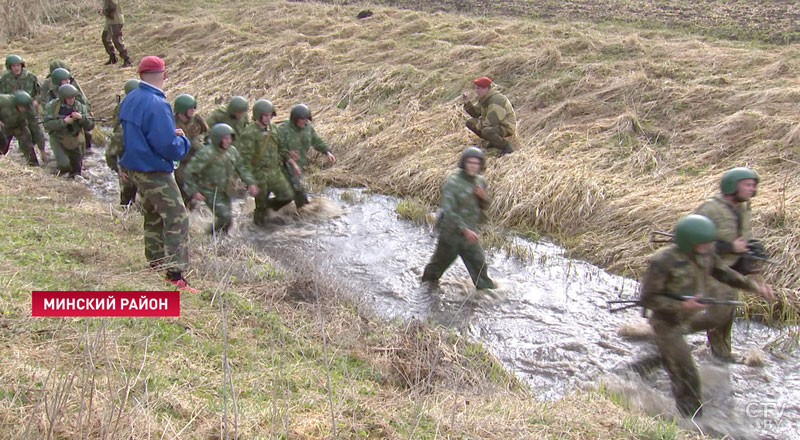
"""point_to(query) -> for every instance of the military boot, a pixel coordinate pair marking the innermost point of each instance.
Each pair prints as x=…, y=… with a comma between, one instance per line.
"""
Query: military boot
x=506, y=150
x=112, y=59
x=126, y=62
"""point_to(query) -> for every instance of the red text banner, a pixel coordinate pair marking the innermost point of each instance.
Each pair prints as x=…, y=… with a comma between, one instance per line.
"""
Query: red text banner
x=106, y=303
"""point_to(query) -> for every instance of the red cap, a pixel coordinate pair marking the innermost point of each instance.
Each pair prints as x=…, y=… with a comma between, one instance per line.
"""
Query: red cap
x=151, y=64
x=483, y=81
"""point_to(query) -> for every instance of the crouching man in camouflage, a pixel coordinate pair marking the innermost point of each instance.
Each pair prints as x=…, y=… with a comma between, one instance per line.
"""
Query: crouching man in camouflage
x=259, y=149
x=65, y=119
x=18, y=120
x=210, y=171
x=680, y=270
x=464, y=196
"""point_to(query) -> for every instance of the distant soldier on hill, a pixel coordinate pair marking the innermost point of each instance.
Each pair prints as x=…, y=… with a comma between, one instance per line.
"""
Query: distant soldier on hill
x=64, y=119
x=17, y=119
x=730, y=212
x=678, y=276
x=296, y=137
x=464, y=197
x=209, y=172
x=195, y=128
x=17, y=78
x=233, y=114
x=259, y=149
x=114, y=150
x=112, y=33
x=492, y=118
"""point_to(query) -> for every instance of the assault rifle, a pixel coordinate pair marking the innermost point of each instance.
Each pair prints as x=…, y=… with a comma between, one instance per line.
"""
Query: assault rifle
x=629, y=304
x=755, y=248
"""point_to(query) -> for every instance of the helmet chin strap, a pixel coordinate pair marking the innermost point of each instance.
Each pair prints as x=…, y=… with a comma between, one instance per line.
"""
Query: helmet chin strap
x=737, y=198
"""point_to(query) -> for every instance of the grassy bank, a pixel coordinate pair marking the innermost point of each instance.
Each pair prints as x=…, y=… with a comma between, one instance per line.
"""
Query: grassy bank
x=247, y=357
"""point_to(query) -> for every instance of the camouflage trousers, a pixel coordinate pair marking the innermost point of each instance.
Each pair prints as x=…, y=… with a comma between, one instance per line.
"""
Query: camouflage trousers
x=717, y=321
x=298, y=185
x=495, y=135
x=127, y=190
x=273, y=183
x=24, y=139
x=69, y=161
x=219, y=203
x=112, y=37
x=677, y=357
x=166, y=224
x=452, y=244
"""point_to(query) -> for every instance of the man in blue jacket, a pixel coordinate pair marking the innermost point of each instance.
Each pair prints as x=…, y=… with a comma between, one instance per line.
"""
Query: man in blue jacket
x=152, y=145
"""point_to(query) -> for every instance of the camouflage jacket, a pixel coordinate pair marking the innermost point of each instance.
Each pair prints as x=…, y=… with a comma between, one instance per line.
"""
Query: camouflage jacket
x=53, y=120
x=26, y=81
x=113, y=12
x=259, y=148
x=493, y=110
x=461, y=208
x=49, y=92
x=731, y=221
x=674, y=272
x=12, y=118
x=195, y=129
x=212, y=167
x=220, y=115
x=292, y=138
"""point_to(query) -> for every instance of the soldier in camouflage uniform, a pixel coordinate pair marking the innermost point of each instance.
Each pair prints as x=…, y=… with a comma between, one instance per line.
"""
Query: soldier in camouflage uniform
x=234, y=114
x=60, y=74
x=64, y=119
x=112, y=33
x=464, y=197
x=17, y=119
x=195, y=128
x=295, y=139
x=210, y=171
x=686, y=268
x=493, y=117
x=730, y=212
x=114, y=150
x=259, y=149
x=16, y=78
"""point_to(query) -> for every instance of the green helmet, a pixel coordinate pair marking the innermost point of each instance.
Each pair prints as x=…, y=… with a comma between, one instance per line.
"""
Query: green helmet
x=67, y=91
x=184, y=102
x=263, y=106
x=471, y=152
x=55, y=64
x=22, y=97
x=732, y=177
x=692, y=230
x=218, y=131
x=237, y=104
x=131, y=85
x=58, y=75
x=14, y=59
x=299, y=111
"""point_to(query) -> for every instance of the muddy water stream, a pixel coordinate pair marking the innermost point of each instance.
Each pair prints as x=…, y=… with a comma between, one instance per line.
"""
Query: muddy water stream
x=548, y=321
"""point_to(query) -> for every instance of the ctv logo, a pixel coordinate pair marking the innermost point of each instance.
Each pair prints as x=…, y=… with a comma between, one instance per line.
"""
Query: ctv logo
x=105, y=303
x=768, y=415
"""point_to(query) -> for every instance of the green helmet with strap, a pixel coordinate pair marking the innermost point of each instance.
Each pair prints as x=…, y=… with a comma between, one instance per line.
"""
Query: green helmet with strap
x=22, y=97
x=184, y=102
x=14, y=59
x=692, y=230
x=218, y=131
x=471, y=152
x=237, y=104
x=55, y=64
x=67, y=91
x=299, y=111
x=131, y=85
x=263, y=106
x=732, y=177
x=58, y=75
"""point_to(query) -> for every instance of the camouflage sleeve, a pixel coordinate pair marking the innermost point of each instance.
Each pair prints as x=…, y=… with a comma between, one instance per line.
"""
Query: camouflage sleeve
x=496, y=112
x=202, y=123
x=36, y=87
x=213, y=118
x=196, y=164
x=725, y=274
x=450, y=204
x=241, y=168
x=707, y=209
x=246, y=146
x=484, y=203
x=50, y=122
x=283, y=143
x=86, y=122
x=654, y=286
x=318, y=143
x=471, y=110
